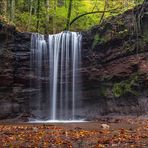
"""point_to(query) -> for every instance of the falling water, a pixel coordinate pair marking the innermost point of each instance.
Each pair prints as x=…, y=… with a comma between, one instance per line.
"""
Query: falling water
x=55, y=66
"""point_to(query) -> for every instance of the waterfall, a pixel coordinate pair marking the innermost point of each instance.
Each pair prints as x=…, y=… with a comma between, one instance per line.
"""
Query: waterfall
x=55, y=63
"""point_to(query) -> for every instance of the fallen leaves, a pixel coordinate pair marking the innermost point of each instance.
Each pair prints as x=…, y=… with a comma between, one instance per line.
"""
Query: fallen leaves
x=44, y=135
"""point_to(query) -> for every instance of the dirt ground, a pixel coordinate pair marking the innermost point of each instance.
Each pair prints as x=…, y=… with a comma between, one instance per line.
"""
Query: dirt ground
x=107, y=132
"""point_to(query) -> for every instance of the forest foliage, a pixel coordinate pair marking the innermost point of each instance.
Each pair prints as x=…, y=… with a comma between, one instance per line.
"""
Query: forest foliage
x=53, y=16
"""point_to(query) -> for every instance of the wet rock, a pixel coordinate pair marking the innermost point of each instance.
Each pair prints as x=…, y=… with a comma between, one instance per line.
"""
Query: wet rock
x=9, y=109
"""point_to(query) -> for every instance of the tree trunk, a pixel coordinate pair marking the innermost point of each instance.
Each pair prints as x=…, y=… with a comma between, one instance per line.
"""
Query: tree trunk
x=47, y=17
x=69, y=15
x=11, y=9
x=3, y=7
x=54, y=16
x=30, y=14
x=61, y=3
x=38, y=15
x=87, y=13
x=103, y=14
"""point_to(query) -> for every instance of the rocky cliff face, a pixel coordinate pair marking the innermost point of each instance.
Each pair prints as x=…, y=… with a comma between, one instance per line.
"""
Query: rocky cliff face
x=115, y=65
x=114, y=69
x=14, y=47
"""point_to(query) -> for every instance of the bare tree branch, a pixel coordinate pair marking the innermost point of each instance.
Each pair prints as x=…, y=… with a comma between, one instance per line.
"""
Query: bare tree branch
x=87, y=13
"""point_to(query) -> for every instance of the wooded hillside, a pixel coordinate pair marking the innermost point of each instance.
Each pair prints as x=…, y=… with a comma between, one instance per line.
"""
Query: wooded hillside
x=52, y=16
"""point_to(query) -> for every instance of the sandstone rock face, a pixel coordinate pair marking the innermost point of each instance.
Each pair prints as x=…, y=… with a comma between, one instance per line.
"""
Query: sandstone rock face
x=114, y=70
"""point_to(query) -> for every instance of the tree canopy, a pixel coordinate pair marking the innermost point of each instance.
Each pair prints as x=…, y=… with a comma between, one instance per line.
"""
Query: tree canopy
x=53, y=16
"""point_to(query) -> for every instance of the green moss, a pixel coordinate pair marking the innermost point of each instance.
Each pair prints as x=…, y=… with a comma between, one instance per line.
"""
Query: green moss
x=142, y=43
x=123, y=32
x=125, y=87
x=117, y=89
x=97, y=40
x=120, y=22
x=145, y=38
x=128, y=46
x=103, y=91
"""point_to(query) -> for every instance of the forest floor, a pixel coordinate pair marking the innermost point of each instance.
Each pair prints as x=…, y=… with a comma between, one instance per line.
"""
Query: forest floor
x=124, y=132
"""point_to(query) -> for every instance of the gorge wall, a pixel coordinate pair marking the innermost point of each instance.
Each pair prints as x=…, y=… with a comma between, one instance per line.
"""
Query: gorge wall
x=114, y=69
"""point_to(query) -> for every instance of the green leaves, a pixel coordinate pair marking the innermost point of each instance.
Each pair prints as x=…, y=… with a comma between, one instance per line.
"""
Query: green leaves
x=26, y=22
x=124, y=87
